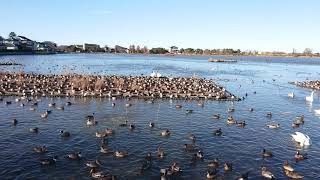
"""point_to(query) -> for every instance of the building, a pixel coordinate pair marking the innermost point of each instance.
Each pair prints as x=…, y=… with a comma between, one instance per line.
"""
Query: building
x=91, y=47
x=26, y=43
x=119, y=49
x=47, y=46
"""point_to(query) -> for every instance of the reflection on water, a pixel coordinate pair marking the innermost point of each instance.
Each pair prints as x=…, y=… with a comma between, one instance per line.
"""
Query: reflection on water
x=241, y=146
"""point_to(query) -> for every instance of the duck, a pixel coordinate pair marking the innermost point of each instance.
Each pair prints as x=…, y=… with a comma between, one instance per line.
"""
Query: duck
x=175, y=168
x=231, y=109
x=291, y=95
x=227, y=166
x=211, y=174
x=310, y=98
x=124, y=124
x=100, y=134
x=200, y=154
x=189, y=147
x=151, y=124
x=109, y=131
x=148, y=157
x=301, y=139
x=44, y=115
x=132, y=126
x=14, y=122
x=266, y=153
x=241, y=123
x=160, y=153
x=251, y=109
x=192, y=137
x=97, y=174
x=40, y=149
x=178, y=106
x=165, y=133
x=273, y=126
x=90, y=117
x=266, y=174
x=299, y=157
x=299, y=119
x=74, y=156
x=189, y=111
x=32, y=109
x=269, y=114
x=214, y=163
x=293, y=175
x=60, y=107
x=68, y=103
x=52, y=104
x=295, y=125
x=113, y=104
x=49, y=161
x=244, y=176
x=8, y=102
x=217, y=132
x=91, y=122
x=120, y=154
x=216, y=116
x=287, y=167
x=104, y=149
x=93, y=164
x=34, y=130
x=230, y=120
x=64, y=133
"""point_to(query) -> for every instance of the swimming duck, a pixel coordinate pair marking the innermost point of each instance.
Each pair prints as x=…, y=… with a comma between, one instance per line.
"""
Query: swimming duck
x=175, y=167
x=298, y=156
x=91, y=122
x=101, y=175
x=295, y=125
x=32, y=109
x=8, y=102
x=93, y=164
x=100, y=134
x=178, y=106
x=60, y=107
x=241, y=123
x=231, y=109
x=151, y=124
x=227, y=166
x=217, y=132
x=49, y=161
x=34, y=130
x=230, y=120
x=273, y=126
x=132, y=126
x=74, y=156
x=52, y=104
x=64, y=133
x=214, y=163
x=104, y=149
x=200, y=154
x=287, y=167
x=165, y=133
x=113, y=104
x=124, y=124
x=68, y=103
x=189, y=111
x=192, y=137
x=22, y=105
x=189, y=147
x=244, y=176
x=14, y=122
x=269, y=114
x=44, y=115
x=109, y=131
x=250, y=109
x=216, y=116
x=266, y=153
x=291, y=95
x=120, y=154
x=267, y=174
x=148, y=157
x=293, y=175
x=40, y=149
x=160, y=153
x=211, y=174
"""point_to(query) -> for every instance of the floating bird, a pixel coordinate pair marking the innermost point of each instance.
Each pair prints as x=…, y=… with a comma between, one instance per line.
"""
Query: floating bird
x=189, y=147
x=273, y=126
x=317, y=111
x=165, y=133
x=100, y=175
x=160, y=152
x=267, y=174
x=49, y=161
x=40, y=149
x=211, y=174
x=217, y=132
x=293, y=175
x=291, y=95
x=124, y=124
x=74, y=156
x=64, y=133
x=214, y=164
x=192, y=137
x=44, y=115
x=216, y=116
x=100, y=134
x=14, y=122
x=298, y=156
x=287, y=167
x=34, y=130
x=151, y=124
x=175, y=168
x=120, y=154
x=230, y=120
x=301, y=139
x=241, y=123
x=266, y=153
x=310, y=98
x=200, y=154
x=109, y=131
x=269, y=114
x=178, y=106
x=189, y=111
x=93, y=164
x=227, y=166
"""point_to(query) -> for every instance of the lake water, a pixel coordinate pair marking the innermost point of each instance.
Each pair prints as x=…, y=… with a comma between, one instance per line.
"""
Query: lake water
x=241, y=146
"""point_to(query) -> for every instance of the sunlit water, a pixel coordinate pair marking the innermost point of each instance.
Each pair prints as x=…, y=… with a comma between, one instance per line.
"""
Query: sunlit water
x=241, y=146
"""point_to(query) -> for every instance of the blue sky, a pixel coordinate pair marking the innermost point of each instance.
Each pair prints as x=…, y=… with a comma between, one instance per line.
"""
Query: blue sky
x=264, y=25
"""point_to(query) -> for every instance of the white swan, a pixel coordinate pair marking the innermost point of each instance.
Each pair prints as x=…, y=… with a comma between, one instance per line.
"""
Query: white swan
x=302, y=139
x=155, y=74
x=291, y=95
x=310, y=98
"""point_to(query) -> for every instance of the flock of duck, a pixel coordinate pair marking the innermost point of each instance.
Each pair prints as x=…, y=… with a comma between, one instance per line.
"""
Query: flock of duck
x=174, y=169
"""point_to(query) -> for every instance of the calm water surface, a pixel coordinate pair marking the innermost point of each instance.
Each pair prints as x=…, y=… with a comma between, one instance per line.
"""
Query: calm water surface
x=241, y=146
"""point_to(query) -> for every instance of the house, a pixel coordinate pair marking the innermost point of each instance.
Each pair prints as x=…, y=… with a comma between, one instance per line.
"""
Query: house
x=91, y=47
x=26, y=43
x=47, y=46
x=174, y=50
x=11, y=47
x=2, y=45
x=119, y=49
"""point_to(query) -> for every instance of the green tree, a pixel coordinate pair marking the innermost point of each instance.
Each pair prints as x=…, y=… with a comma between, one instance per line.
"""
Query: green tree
x=12, y=35
x=158, y=50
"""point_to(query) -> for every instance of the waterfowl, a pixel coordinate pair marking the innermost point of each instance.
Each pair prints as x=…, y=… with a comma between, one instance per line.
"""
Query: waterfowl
x=101, y=175
x=90, y=117
x=49, y=161
x=104, y=149
x=120, y=154
x=231, y=109
x=124, y=124
x=32, y=109
x=48, y=111
x=230, y=120
x=51, y=104
x=22, y=105
x=40, y=149
x=266, y=174
x=227, y=166
x=301, y=139
x=192, y=137
x=244, y=176
x=132, y=126
x=241, y=123
x=93, y=164
x=148, y=157
x=299, y=119
x=91, y=122
x=295, y=125
x=64, y=133
x=217, y=132
x=60, y=107
x=44, y=115
x=160, y=153
x=68, y=103
x=310, y=98
x=128, y=105
x=293, y=175
x=151, y=124
x=14, y=122
x=189, y=147
x=250, y=109
x=269, y=114
x=266, y=153
x=216, y=116
x=113, y=104
x=178, y=106
x=74, y=156
x=109, y=131
x=8, y=102
x=175, y=167
x=211, y=174
x=214, y=163
x=165, y=133
x=100, y=134
x=273, y=126
x=299, y=157
x=34, y=130
x=200, y=154
x=189, y=111
x=287, y=167
x=200, y=104
x=291, y=95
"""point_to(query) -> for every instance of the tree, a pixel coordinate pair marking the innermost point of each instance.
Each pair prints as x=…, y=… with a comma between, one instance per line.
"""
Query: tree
x=145, y=50
x=173, y=49
x=12, y=35
x=189, y=50
x=307, y=51
x=132, y=49
x=181, y=51
x=158, y=50
x=138, y=50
